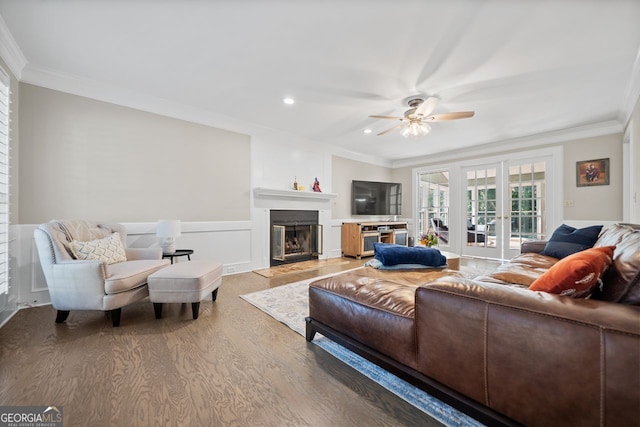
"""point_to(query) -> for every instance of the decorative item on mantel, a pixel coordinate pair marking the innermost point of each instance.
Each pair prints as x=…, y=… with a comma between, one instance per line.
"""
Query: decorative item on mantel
x=168, y=230
x=429, y=239
x=295, y=182
x=316, y=186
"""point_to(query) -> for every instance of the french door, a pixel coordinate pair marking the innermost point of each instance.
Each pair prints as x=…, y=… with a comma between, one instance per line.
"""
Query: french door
x=433, y=205
x=527, y=212
x=506, y=204
x=483, y=196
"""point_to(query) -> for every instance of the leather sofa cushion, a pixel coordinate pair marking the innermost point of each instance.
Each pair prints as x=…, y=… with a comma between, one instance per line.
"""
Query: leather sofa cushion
x=622, y=279
x=522, y=269
x=128, y=275
x=374, y=307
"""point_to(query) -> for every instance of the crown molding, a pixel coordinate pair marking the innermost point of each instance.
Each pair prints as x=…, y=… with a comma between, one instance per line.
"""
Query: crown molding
x=360, y=157
x=531, y=141
x=10, y=51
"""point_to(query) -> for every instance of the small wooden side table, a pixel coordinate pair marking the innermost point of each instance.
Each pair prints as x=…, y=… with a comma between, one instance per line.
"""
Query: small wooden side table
x=178, y=253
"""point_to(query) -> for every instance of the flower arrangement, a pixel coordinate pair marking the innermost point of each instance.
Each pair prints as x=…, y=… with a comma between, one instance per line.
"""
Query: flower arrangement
x=429, y=239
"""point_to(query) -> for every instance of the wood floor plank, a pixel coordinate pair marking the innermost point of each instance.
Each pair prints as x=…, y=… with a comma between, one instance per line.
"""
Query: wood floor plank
x=234, y=365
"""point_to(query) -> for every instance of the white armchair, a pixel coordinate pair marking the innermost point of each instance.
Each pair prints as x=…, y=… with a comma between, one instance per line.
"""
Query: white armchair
x=76, y=284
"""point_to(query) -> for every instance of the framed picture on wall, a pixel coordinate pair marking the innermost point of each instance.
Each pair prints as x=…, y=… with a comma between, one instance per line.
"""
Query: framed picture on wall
x=592, y=172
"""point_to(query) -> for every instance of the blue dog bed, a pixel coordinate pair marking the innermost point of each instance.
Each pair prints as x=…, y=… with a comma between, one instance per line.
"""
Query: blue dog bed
x=391, y=255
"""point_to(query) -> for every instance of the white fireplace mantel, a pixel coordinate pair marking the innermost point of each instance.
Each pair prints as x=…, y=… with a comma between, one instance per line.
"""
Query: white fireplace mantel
x=273, y=193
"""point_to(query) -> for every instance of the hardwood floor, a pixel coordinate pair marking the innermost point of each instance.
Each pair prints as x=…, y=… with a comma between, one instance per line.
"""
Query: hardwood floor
x=235, y=365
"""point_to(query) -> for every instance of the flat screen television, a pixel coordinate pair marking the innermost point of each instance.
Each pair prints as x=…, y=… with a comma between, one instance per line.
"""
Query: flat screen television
x=376, y=198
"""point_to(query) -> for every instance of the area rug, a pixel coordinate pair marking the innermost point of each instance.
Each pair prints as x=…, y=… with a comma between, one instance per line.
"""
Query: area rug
x=297, y=267
x=289, y=304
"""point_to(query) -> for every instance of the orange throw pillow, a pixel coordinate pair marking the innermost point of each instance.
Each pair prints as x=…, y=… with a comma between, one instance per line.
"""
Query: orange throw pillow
x=576, y=275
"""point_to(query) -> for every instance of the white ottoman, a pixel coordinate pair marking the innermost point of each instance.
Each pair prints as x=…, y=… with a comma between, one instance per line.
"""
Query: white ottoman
x=184, y=282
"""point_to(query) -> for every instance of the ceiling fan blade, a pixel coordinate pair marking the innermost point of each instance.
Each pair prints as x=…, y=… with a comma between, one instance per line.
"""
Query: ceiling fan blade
x=427, y=106
x=386, y=117
x=450, y=116
x=390, y=129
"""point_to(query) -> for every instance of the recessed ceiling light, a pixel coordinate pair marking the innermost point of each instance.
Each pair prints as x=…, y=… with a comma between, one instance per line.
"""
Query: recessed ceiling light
x=367, y=131
x=289, y=101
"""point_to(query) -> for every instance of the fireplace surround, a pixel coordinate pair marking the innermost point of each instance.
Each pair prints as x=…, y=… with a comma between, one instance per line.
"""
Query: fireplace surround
x=296, y=235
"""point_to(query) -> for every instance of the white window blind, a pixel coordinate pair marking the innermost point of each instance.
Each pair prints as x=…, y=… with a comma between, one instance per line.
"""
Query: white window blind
x=4, y=182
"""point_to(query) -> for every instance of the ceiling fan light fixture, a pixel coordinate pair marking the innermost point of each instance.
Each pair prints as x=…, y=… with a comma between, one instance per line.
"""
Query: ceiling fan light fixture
x=413, y=123
x=416, y=129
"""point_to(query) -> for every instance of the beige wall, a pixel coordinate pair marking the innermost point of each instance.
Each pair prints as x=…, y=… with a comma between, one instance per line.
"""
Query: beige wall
x=343, y=171
x=82, y=158
x=633, y=130
x=598, y=203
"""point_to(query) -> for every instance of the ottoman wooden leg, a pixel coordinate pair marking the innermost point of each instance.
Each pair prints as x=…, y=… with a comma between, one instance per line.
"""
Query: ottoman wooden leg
x=195, y=309
x=214, y=294
x=157, y=307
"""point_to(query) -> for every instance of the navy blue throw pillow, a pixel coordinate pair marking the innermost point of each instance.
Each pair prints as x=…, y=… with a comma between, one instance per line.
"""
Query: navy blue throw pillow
x=568, y=240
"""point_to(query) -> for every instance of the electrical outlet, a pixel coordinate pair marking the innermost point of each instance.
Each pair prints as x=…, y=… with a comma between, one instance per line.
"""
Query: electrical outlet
x=568, y=203
x=231, y=269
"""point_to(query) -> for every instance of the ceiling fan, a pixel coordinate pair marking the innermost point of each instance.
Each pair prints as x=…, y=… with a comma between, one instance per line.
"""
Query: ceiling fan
x=416, y=120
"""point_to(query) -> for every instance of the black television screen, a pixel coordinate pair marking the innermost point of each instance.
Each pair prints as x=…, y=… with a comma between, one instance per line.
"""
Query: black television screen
x=376, y=198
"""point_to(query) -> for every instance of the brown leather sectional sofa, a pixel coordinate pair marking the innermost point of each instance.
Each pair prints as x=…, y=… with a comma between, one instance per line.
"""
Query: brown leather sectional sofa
x=491, y=347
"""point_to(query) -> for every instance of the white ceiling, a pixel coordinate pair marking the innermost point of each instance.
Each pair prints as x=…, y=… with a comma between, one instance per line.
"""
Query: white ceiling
x=524, y=67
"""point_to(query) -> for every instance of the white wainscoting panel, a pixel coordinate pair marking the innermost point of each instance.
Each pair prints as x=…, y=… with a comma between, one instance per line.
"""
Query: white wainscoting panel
x=225, y=242
x=333, y=236
x=26, y=278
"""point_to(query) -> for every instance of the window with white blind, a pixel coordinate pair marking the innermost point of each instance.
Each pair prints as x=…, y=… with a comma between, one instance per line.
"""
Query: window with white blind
x=4, y=182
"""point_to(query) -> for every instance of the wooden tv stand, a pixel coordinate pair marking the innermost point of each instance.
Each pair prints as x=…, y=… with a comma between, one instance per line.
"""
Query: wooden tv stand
x=358, y=237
